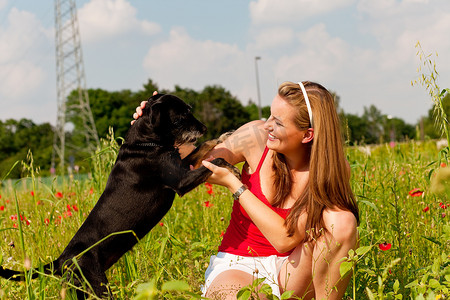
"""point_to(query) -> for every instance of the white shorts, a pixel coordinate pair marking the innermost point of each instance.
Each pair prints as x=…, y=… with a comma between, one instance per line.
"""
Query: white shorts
x=267, y=267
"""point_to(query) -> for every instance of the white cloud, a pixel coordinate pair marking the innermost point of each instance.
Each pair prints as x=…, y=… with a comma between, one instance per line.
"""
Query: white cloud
x=3, y=3
x=191, y=63
x=24, y=48
x=22, y=35
x=319, y=56
x=274, y=37
x=289, y=11
x=19, y=79
x=105, y=19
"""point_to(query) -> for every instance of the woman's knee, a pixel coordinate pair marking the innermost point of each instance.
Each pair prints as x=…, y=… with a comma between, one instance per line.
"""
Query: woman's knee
x=227, y=284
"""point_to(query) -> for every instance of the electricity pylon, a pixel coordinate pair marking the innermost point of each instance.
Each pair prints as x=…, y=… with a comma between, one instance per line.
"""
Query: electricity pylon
x=70, y=77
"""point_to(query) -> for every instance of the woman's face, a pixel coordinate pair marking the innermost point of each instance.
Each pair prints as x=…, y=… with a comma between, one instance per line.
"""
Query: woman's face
x=283, y=135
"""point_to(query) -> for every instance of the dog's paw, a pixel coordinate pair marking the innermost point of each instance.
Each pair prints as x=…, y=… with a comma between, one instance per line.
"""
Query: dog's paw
x=223, y=163
x=235, y=171
x=224, y=136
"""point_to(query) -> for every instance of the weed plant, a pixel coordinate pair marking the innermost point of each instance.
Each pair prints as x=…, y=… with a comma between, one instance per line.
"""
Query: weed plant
x=404, y=247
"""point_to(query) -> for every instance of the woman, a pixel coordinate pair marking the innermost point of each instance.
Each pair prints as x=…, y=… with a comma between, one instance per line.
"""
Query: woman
x=295, y=215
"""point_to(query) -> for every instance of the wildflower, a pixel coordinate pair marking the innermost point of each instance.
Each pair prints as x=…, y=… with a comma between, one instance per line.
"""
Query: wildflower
x=38, y=202
x=46, y=221
x=161, y=224
x=426, y=209
x=2, y=208
x=7, y=201
x=15, y=225
x=207, y=204
x=443, y=215
x=442, y=205
x=415, y=192
x=13, y=217
x=209, y=189
x=74, y=207
x=222, y=234
x=68, y=207
x=443, y=165
x=91, y=191
x=0, y=196
x=58, y=195
x=32, y=193
x=385, y=246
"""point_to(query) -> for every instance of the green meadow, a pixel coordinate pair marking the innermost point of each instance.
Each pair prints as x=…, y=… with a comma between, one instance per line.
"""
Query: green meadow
x=404, y=247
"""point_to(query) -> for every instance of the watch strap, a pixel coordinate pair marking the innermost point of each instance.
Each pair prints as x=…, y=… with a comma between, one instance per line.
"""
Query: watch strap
x=239, y=192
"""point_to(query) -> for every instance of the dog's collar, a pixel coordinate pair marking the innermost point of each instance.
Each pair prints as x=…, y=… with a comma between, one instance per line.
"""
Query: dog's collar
x=148, y=145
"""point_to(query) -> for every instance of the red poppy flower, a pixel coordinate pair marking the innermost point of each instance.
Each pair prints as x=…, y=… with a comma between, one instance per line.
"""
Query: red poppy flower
x=209, y=188
x=426, y=209
x=0, y=196
x=58, y=195
x=443, y=206
x=15, y=225
x=68, y=207
x=415, y=192
x=91, y=191
x=207, y=204
x=2, y=208
x=38, y=202
x=46, y=221
x=385, y=246
x=443, y=165
x=75, y=208
x=32, y=193
x=7, y=201
x=161, y=224
x=222, y=234
x=13, y=217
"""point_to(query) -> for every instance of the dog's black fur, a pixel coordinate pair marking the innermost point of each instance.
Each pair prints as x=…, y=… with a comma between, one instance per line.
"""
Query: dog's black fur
x=139, y=192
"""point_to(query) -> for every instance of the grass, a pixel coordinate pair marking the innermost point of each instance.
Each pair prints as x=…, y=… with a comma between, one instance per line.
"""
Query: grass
x=170, y=261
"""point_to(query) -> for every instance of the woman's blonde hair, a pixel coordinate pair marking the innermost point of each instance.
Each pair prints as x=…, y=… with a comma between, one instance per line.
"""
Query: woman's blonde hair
x=329, y=176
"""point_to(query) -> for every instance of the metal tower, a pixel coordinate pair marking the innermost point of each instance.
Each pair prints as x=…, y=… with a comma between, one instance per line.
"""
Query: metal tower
x=70, y=77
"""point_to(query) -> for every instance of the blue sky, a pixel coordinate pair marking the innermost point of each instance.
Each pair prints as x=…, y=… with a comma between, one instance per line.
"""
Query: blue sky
x=361, y=49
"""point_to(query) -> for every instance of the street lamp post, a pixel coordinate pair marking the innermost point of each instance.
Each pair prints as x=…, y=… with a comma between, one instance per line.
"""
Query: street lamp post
x=257, y=87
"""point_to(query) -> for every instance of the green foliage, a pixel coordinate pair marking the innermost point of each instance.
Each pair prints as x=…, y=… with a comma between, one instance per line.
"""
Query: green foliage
x=171, y=260
x=17, y=138
x=373, y=128
x=440, y=98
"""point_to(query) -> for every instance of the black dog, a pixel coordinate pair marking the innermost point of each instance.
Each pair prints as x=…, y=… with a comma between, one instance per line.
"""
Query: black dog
x=139, y=192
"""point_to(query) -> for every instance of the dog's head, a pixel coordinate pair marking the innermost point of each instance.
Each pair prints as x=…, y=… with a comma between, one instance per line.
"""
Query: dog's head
x=166, y=120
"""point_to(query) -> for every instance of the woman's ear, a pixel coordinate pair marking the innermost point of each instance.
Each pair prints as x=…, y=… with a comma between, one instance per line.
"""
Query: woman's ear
x=308, y=136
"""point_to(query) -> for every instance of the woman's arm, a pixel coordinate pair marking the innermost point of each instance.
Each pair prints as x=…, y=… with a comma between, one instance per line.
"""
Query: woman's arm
x=245, y=144
x=268, y=222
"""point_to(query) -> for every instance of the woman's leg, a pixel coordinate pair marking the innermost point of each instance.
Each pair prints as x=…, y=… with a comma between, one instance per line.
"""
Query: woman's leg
x=227, y=284
x=313, y=268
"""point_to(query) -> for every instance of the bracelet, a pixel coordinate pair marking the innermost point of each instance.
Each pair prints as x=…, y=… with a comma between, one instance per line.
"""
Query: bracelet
x=239, y=192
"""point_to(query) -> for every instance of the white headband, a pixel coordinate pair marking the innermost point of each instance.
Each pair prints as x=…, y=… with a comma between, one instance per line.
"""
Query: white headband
x=308, y=105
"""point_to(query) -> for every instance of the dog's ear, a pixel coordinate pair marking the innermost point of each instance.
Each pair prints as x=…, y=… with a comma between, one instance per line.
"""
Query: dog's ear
x=155, y=114
x=154, y=110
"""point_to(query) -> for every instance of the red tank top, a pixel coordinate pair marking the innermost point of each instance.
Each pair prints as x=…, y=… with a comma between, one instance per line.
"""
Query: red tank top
x=242, y=236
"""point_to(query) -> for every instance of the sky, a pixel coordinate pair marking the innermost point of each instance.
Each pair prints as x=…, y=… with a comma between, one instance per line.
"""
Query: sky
x=364, y=50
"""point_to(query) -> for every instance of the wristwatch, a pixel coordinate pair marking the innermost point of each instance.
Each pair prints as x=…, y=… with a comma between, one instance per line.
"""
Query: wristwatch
x=239, y=192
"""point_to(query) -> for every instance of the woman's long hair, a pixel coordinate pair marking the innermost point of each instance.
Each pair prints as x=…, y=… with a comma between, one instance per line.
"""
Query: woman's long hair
x=329, y=177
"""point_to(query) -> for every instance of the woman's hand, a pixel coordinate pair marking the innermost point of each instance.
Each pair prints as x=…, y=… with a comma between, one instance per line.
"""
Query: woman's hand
x=139, y=109
x=222, y=176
